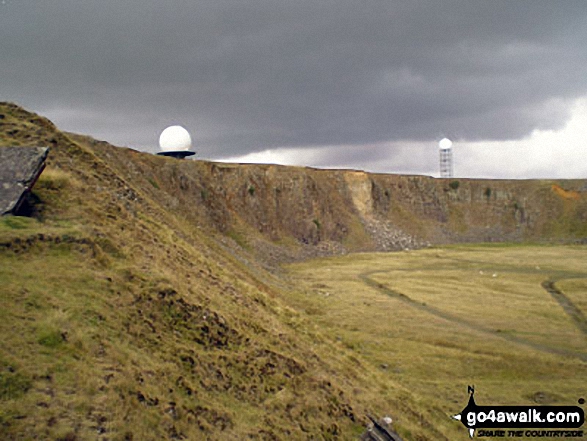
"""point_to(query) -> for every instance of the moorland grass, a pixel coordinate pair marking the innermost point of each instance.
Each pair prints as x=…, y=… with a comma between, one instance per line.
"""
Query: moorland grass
x=438, y=320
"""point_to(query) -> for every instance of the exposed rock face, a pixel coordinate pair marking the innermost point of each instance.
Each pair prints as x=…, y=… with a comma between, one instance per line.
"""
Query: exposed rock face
x=294, y=212
x=345, y=210
x=19, y=169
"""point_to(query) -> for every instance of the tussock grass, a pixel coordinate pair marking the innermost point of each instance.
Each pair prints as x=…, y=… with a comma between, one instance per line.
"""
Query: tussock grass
x=54, y=179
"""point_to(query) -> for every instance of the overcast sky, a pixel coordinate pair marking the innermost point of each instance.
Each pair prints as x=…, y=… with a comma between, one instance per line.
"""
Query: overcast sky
x=332, y=83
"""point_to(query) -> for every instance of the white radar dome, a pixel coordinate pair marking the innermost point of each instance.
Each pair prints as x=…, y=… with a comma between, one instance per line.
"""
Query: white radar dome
x=445, y=144
x=174, y=139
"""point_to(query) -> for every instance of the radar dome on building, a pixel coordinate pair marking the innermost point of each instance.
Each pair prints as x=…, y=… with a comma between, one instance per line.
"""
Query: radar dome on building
x=175, y=141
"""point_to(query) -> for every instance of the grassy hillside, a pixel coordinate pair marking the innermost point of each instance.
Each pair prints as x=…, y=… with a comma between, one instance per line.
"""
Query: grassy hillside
x=123, y=320
x=143, y=297
x=94, y=344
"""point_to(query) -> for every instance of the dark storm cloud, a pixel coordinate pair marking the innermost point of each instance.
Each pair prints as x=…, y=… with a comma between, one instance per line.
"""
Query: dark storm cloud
x=251, y=74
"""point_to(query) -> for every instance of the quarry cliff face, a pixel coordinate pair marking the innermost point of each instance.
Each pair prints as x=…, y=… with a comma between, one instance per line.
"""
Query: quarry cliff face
x=330, y=210
x=347, y=210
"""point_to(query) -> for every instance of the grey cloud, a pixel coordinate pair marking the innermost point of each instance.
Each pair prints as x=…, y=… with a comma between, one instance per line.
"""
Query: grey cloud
x=250, y=75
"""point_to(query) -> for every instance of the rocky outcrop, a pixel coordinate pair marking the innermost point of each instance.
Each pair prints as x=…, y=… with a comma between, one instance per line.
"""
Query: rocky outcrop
x=19, y=169
x=301, y=211
x=344, y=210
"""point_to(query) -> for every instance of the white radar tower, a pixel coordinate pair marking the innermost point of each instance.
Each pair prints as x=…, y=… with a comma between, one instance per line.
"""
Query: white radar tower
x=446, y=167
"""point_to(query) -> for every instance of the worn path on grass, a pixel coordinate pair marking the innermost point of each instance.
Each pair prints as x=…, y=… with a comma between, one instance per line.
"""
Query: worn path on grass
x=549, y=285
x=567, y=305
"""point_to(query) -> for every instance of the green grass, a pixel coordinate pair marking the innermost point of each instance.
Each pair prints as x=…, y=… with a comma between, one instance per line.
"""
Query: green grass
x=16, y=223
x=239, y=238
x=13, y=384
x=438, y=320
x=153, y=183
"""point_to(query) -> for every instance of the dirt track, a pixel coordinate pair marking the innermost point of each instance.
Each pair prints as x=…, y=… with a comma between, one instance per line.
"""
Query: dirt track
x=570, y=309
